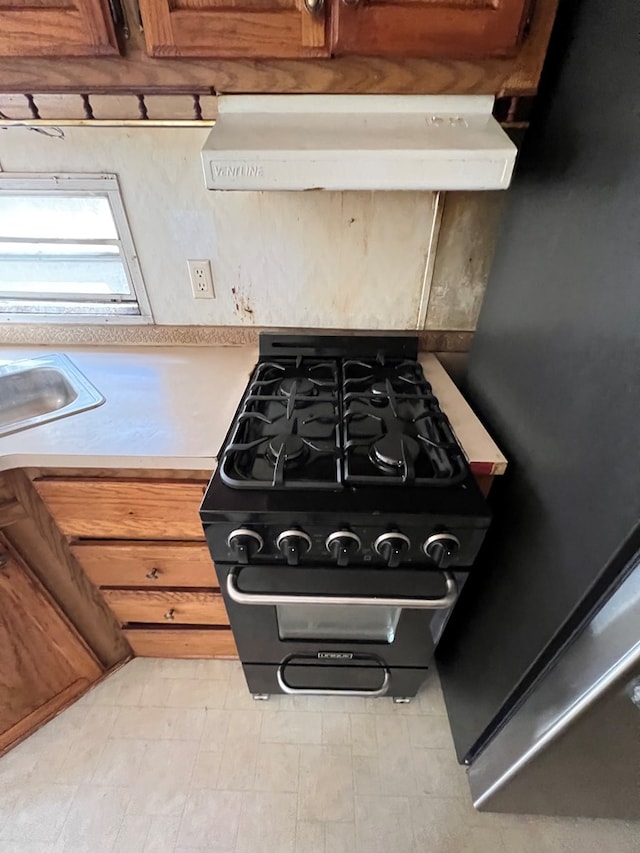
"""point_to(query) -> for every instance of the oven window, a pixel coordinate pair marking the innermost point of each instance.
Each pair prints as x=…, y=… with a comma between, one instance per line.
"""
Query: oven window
x=337, y=622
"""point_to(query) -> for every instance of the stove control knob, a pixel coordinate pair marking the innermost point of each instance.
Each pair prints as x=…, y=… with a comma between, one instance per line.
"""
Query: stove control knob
x=392, y=547
x=442, y=548
x=342, y=545
x=244, y=543
x=293, y=544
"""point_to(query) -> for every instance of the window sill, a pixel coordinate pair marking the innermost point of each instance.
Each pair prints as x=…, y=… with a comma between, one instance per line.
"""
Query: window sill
x=76, y=319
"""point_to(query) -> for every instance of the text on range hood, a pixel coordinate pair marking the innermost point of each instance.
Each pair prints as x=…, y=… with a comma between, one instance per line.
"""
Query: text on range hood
x=357, y=142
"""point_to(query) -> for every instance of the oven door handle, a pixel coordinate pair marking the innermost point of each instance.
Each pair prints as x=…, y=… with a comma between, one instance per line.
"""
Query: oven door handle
x=269, y=598
x=376, y=693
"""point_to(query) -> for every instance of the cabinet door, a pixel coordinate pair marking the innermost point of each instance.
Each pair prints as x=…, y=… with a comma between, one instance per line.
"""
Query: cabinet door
x=454, y=29
x=43, y=662
x=234, y=28
x=56, y=28
x=91, y=508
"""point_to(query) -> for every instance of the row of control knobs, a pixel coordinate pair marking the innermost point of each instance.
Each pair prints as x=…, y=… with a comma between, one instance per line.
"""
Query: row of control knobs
x=441, y=548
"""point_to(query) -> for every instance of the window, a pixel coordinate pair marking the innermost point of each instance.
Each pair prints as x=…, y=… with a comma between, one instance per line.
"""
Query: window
x=66, y=252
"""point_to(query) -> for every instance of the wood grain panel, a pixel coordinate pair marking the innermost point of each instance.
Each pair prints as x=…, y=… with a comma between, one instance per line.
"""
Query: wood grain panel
x=517, y=75
x=46, y=551
x=41, y=656
x=182, y=642
x=15, y=107
x=146, y=564
x=124, y=509
x=234, y=5
x=176, y=608
x=423, y=28
x=484, y=481
x=213, y=28
x=10, y=512
x=74, y=28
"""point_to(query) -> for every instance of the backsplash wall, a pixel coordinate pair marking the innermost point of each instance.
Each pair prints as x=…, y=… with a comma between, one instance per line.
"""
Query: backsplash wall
x=317, y=259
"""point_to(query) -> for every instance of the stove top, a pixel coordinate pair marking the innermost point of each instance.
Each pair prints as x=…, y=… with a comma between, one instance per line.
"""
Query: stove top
x=320, y=421
x=393, y=431
x=286, y=433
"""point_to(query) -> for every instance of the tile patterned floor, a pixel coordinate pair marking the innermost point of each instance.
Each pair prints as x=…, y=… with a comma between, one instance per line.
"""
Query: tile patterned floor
x=175, y=756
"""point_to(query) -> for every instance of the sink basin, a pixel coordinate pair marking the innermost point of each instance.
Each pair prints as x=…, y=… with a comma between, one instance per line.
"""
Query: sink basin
x=42, y=389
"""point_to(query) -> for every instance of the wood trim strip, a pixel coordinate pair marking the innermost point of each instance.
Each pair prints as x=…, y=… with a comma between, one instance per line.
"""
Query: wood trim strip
x=484, y=481
x=37, y=718
x=481, y=469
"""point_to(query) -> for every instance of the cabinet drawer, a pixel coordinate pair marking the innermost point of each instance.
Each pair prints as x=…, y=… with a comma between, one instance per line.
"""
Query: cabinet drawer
x=167, y=606
x=147, y=564
x=124, y=509
x=181, y=642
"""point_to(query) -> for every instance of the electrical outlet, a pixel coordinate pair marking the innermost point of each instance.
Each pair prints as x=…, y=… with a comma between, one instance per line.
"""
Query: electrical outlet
x=201, y=280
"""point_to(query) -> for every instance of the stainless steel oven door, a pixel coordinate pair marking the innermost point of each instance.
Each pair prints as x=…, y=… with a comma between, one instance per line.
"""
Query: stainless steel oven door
x=393, y=614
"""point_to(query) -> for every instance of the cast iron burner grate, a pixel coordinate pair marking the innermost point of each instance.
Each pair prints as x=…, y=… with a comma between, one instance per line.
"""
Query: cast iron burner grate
x=309, y=423
x=393, y=429
x=287, y=432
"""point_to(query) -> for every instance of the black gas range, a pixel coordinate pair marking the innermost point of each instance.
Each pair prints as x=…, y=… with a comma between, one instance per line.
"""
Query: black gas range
x=342, y=518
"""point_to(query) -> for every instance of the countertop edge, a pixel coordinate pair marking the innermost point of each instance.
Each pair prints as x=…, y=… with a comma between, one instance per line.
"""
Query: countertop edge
x=183, y=415
x=13, y=461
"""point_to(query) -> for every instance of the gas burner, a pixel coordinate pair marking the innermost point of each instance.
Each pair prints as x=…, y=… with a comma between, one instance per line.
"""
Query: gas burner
x=299, y=387
x=379, y=394
x=288, y=447
x=393, y=452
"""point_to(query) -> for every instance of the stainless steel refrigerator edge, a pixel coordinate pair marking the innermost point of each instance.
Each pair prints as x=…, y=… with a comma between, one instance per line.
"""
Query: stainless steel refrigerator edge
x=554, y=371
x=573, y=747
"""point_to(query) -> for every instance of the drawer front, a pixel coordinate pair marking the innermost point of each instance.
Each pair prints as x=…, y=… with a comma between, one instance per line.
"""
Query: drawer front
x=167, y=606
x=181, y=642
x=146, y=564
x=124, y=509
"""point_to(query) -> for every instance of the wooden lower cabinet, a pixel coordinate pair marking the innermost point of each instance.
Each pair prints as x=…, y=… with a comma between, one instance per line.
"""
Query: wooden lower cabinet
x=95, y=508
x=146, y=564
x=182, y=642
x=175, y=607
x=44, y=663
x=141, y=543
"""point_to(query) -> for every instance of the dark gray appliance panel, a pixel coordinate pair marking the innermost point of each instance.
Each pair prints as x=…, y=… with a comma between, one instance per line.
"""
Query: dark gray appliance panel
x=554, y=372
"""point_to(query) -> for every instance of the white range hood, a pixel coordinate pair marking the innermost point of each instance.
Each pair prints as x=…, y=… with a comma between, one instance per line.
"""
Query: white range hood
x=357, y=142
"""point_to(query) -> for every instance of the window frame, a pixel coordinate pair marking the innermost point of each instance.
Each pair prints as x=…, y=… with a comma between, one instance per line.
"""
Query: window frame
x=81, y=309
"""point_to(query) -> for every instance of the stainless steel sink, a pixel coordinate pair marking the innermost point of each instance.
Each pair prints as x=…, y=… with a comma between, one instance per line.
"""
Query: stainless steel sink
x=42, y=389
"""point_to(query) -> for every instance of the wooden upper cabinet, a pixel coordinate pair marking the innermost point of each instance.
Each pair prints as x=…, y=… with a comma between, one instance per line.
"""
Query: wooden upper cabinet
x=234, y=28
x=454, y=29
x=56, y=28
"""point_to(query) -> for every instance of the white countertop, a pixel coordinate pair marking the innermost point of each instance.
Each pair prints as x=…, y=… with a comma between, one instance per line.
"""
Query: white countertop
x=171, y=407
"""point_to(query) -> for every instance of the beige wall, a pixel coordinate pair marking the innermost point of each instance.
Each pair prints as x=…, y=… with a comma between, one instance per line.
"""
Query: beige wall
x=321, y=259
